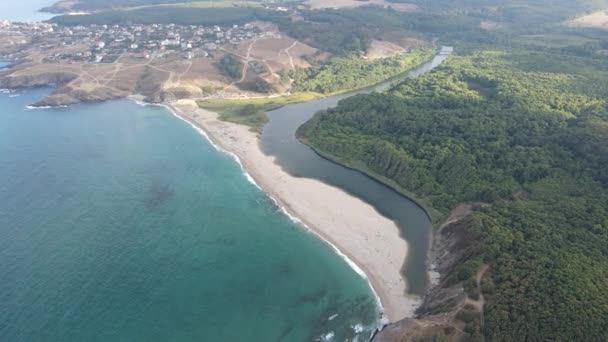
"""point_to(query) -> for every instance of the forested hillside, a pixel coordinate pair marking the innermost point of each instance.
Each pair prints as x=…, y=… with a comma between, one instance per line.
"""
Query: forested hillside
x=344, y=73
x=525, y=132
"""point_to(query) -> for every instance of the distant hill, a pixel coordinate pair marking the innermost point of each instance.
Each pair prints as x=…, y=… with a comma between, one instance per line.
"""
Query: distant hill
x=66, y=6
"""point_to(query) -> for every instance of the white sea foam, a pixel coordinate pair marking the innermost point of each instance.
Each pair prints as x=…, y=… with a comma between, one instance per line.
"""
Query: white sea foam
x=328, y=337
x=383, y=319
x=28, y=107
x=145, y=104
x=204, y=134
x=351, y=264
x=358, y=328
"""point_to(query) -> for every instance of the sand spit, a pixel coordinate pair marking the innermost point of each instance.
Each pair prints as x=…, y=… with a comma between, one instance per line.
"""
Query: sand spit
x=354, y=227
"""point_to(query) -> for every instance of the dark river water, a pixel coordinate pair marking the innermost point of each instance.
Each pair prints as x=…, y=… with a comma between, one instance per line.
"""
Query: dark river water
x=278, y=139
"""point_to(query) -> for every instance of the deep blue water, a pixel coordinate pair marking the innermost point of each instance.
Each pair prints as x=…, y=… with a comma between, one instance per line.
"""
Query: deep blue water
x=121, y=223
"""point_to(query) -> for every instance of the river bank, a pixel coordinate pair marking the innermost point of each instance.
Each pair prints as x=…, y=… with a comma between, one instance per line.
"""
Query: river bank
x=434, y=215
x=355, y=228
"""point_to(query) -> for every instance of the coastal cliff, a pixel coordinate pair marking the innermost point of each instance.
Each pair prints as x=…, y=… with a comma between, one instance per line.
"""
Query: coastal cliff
x=68, y=92
x=44, y=79
x=452, y=309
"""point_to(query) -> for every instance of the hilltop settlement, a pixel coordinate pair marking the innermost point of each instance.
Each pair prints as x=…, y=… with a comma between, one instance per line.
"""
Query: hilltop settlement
x=107, y=43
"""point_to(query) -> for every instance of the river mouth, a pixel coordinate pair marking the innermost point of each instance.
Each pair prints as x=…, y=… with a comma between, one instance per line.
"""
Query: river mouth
x=278, y=139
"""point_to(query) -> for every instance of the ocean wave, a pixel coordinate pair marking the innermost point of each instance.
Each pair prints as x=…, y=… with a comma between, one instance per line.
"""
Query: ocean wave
x=358, y=328
x=383, y=319
x=30, y=107
x=328, y=337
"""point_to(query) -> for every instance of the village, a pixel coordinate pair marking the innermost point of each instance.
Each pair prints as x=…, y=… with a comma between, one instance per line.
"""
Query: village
x=107, y=43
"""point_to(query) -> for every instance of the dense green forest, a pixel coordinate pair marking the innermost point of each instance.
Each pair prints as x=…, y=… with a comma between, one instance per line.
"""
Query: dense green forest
x=524, y=131
x=342, y=73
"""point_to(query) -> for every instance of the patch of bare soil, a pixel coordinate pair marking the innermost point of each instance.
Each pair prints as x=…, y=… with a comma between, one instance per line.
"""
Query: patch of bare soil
x=383, y=49
x=265, y=57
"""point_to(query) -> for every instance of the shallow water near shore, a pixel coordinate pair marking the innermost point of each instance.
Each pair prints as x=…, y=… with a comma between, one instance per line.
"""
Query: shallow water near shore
x=119, y=222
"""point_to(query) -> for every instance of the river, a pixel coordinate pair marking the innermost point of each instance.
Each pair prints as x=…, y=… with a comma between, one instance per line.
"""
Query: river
x=278, y=139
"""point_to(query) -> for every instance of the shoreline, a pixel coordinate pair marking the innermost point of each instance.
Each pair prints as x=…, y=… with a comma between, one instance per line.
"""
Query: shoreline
x=351, y=237
x=436, y=217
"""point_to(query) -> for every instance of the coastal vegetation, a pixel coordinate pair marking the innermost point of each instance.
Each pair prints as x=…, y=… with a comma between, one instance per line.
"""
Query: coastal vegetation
x=523, y=131
x=344, y=73
x=335, y=76
x=249, y=115
x=230, y=67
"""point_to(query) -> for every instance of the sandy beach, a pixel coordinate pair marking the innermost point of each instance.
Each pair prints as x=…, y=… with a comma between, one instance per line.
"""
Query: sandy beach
x=352, y=226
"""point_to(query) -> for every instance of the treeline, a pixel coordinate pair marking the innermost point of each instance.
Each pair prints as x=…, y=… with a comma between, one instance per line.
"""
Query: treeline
x=345, y=73
x=525, y=132
x=350, y=31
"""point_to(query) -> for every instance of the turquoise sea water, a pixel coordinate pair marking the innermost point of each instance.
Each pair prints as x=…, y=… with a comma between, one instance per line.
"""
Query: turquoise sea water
x=121, y=223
